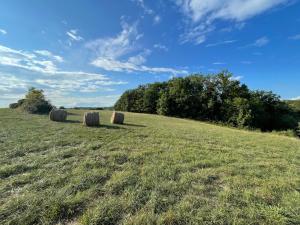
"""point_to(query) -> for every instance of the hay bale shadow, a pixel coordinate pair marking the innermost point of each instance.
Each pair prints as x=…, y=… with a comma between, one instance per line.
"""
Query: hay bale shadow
x=133, y=125
x=110, y=126
x=72, y=121
x=73, y=114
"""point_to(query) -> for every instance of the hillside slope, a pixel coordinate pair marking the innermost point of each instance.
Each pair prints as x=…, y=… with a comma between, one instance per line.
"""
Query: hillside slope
x=152, y=170
x=295, y=104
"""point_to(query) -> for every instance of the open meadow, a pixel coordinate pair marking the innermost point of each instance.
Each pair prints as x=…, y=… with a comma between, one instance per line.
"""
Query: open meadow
x=151, y=170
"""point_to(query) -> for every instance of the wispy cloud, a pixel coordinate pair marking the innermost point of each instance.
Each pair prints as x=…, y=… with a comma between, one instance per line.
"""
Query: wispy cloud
x=237, y=78
x=161, y=47
x=296, y=98
x=156, y=19
x=118, y=46
x=73, y=35
x=142, y=4
x=140, y=58
x=71, y=101
x=50, y=55
x=2, y=31
x=11, y=82
x=196, y=34
x=258, y=43
x=261, y=42
x=295, y=37
x=148, y=11
x=123, y=53
x=39, y=69
x=238, y=10
x=121, y=66
x=204, y=13
x=221, y=43
x=219, y=63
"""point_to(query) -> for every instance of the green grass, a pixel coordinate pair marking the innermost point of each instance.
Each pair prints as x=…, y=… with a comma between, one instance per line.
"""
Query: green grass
x=294, y=104
x=152, y=170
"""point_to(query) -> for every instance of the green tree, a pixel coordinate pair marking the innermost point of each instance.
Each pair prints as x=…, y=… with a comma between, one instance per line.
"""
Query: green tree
x=35, y=102
x=214, y=97
x=151, y=96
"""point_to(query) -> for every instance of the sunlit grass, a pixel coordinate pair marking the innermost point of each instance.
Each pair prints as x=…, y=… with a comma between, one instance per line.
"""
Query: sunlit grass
x=152, y=170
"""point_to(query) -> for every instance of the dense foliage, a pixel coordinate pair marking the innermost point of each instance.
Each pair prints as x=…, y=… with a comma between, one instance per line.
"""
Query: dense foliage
x=34, y=102
x=215, y=98
x=17, y=104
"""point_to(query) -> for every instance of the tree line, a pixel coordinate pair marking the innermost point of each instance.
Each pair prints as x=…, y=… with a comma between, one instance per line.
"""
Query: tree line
x=218, y=98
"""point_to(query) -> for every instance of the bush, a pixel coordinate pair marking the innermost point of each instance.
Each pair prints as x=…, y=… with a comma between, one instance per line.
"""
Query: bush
x=16, y=105
x=35, y=102
x=13, y=105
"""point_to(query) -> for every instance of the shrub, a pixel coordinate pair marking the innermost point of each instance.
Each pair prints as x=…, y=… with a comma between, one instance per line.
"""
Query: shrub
x=16, y=105
x=13, y=105
x=35, y=102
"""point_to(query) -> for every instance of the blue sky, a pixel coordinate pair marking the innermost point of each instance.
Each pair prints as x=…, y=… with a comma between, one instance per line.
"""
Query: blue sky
x=87, y=52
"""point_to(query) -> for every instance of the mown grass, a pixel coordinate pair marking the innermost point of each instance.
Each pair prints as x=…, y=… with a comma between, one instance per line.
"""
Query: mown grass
x=152, y=170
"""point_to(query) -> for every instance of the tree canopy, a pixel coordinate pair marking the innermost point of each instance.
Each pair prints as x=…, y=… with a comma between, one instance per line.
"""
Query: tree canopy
x=34, y=102
x=211, y=97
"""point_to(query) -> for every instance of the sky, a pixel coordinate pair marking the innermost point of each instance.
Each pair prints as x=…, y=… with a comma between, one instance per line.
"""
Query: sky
x=88, y=52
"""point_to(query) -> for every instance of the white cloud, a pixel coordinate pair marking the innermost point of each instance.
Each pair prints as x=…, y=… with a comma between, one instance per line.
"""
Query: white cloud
x=123, y=53
x=261, y=42
x=141, y=3
x=44, y=73
x=73, y=35
x=49, y=55
x=69, y=101
x=204, y=13
x=80, y=84
x=219, y=63
x=118, y=46
x=2, y=31
x=156, y=19
x=120, y=66
x=237, y=78
x=161, y=47
x=295, y=37
x=221, y=43
x=238, y=10
x=140, y=58
x=32, y=61
x=296, y=98
x=196, y=34
x=9, y=82
x=148, y=11
x=25, y=60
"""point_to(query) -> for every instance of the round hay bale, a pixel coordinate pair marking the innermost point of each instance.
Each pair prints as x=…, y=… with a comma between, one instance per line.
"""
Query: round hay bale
x=58, y=115
x=117, y=118
x=91, y=119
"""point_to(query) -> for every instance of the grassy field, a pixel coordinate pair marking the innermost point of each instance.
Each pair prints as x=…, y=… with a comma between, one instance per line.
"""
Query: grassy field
x=152, y=170
x=294, y=104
